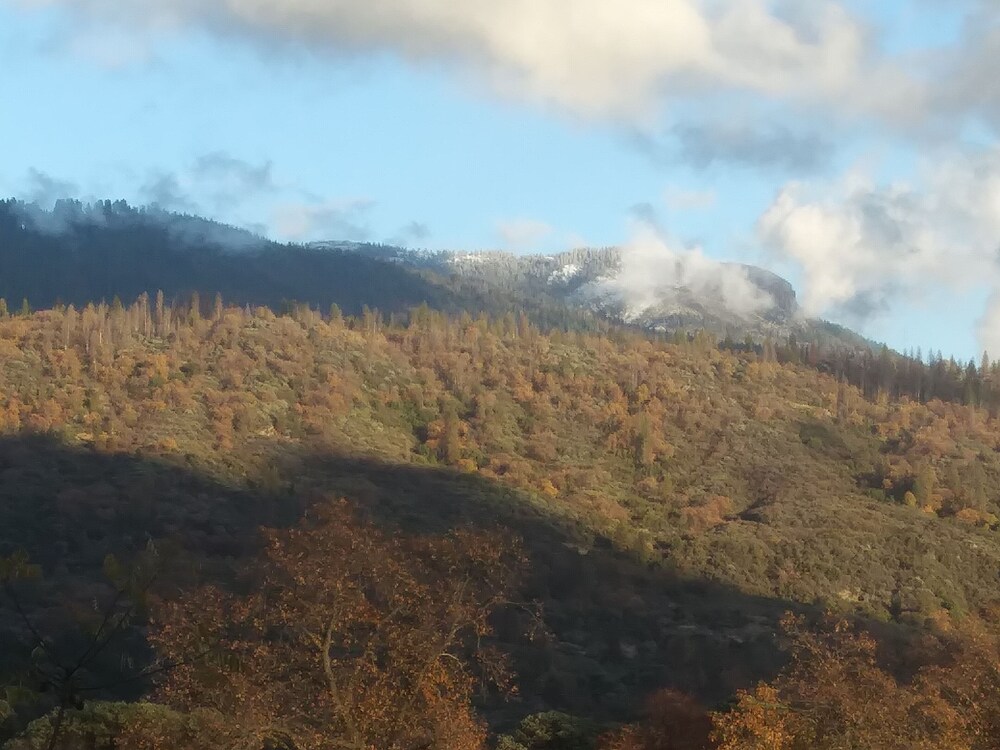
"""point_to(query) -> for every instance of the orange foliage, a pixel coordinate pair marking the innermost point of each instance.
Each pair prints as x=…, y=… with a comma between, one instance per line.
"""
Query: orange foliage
x=834, y=694
x=674, y=721
x=351, y=637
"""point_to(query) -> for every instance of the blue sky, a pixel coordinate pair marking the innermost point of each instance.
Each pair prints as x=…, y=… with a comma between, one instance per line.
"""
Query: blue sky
x=851, y=149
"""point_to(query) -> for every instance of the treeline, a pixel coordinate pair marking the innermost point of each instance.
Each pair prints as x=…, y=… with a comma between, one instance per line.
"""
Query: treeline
x=895, y=376
x=879, y=372
x=79, y=253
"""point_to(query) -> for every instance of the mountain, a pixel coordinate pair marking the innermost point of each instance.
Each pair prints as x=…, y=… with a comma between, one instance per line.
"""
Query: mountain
x=77, y=253
x=496, y=511
x=656, y=292
x=80, y=253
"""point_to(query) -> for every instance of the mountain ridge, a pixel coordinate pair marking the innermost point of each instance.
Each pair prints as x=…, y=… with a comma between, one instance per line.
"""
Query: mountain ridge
x=586, y=278
x=75, y=253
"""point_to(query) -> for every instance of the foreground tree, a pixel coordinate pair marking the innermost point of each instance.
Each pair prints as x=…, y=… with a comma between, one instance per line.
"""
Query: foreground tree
x=834, y=694
x=673, y=721
x=79, y=653
x=348, y=637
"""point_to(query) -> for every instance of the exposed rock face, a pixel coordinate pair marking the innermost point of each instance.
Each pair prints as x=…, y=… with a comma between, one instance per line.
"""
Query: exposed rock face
x=781, y=291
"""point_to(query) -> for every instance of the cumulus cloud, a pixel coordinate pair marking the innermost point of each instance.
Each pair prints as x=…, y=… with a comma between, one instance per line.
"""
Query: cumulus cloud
x=590, y=57
x=861, y=245
x=988, y=326
x=522, y=233
x=655, y=274
x=962, y=77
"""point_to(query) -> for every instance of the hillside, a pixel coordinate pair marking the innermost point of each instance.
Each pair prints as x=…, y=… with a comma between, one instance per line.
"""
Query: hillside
x=77, y=253
x=672, y=500
x=648, y=288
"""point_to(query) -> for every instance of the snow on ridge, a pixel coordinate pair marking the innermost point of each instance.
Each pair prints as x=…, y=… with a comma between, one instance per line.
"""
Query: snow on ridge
x=564, y=274
x=469, y=258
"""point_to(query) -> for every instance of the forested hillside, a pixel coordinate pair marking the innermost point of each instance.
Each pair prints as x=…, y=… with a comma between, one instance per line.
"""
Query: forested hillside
x=649, y=288
x=273, y=530
x=77, y=253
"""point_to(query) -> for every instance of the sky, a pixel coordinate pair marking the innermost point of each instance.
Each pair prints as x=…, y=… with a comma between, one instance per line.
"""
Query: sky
x=850, y=146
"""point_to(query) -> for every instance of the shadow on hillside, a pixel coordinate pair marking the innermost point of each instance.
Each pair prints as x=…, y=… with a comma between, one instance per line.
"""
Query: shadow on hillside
x=619, y=628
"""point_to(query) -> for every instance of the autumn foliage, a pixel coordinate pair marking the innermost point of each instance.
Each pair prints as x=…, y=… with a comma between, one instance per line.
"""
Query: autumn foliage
x=674, y=498
x=673, y=721
x=347, y=637
x=836, y=694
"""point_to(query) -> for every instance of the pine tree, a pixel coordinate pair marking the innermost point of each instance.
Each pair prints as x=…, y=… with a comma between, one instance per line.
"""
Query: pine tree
x=158, y=316
x=923, y=487
x=195, y=315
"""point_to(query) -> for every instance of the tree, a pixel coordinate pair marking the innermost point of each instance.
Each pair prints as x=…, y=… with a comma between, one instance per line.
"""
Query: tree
x=336, y=315
x=350, y=638
x=673, y=721
x=834, y=695
x=194, y=314
x=158, y=314
x=450, y=445
x=923, y=486
x=70, y=668
x=551, y=730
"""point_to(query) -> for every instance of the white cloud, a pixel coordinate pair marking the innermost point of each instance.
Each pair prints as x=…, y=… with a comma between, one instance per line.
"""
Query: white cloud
x=861, y=246
x=655, y=274
x=988, y=326
x=521, y=233
x=591, y=57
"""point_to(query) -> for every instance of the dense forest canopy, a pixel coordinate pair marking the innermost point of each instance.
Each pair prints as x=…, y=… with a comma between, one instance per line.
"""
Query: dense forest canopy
x=78, y=253
x=569, y=526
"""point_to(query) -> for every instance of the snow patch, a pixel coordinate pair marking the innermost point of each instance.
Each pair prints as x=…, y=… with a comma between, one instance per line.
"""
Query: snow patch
x=564, y=274
x=469, y=258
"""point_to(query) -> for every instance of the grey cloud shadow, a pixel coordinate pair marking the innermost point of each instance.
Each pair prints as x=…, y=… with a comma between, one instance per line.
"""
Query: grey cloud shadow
x=412, y=233
x=771, y=147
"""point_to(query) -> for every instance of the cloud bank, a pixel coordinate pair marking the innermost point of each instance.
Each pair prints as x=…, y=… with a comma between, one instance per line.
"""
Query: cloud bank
x=655, y=274
x=589, y=57
x=862, y=246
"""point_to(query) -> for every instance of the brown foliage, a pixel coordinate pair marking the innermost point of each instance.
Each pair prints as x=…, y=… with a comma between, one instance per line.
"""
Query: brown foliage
x=835, y=694
x=351, y=637
x=674, y=721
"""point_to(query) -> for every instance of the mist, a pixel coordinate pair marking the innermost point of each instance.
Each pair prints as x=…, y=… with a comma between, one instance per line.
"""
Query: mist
x=68, y=215
x=654, y=274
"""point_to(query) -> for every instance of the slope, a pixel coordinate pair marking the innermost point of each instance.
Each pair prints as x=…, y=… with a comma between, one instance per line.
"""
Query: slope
x=675, y=499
